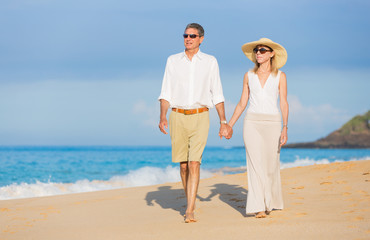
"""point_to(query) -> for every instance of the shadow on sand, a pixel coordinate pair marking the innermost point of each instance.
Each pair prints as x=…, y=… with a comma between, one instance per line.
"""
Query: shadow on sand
x=168, y=198
x=233, y=195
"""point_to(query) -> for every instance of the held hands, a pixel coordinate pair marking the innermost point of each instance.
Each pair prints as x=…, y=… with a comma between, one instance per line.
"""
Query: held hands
x=225, y=131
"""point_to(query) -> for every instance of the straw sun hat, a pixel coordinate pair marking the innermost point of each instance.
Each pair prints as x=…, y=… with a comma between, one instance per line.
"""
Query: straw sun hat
x=281, y=55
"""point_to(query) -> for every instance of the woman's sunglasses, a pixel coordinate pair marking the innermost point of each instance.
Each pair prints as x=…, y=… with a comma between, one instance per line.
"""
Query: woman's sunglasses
x=190, y=35
x=261, y=50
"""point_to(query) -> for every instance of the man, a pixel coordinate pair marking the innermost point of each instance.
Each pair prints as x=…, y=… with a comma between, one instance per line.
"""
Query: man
x=191, y=85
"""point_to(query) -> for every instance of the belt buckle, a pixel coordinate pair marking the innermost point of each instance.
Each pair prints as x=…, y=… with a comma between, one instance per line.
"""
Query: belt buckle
x=187, y=112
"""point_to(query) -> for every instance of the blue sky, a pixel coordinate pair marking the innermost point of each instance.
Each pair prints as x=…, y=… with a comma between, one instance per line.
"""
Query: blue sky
x=89, y=72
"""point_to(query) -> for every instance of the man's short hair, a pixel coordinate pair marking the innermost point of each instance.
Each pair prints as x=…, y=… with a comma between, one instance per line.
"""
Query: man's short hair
x=196, y=26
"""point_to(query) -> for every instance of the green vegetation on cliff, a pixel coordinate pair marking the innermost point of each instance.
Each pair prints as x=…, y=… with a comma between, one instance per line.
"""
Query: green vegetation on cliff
x=357, y=124
x=353, y=134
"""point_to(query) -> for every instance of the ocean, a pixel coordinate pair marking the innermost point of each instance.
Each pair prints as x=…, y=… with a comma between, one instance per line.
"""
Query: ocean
x=45, y=171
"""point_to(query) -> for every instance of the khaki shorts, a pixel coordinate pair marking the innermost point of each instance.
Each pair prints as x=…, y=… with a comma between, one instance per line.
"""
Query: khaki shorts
x=189, y=135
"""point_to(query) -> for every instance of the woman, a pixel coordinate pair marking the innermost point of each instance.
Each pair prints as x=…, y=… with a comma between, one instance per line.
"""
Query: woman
x=263, y=133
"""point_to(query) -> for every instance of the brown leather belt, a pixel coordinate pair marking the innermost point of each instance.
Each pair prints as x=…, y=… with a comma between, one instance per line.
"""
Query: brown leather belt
x=190, y=111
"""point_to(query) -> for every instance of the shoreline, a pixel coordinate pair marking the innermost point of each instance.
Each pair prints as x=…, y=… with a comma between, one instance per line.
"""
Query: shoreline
x=50, y=188
x=326, y=201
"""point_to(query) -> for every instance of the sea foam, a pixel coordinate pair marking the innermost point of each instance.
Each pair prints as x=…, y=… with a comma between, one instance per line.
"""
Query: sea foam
x=301, y=162
x=140, y=177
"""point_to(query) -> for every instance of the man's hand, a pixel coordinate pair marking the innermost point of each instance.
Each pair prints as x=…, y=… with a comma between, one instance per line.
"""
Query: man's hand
x=163, y=124
x=163, y=119
x=225, y=131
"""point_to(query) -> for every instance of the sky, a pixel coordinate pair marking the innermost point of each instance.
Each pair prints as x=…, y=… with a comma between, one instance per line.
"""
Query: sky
x=78, y=72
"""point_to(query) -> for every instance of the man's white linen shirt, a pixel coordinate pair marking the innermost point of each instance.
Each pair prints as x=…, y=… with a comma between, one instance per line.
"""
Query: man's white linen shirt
x=190, y=84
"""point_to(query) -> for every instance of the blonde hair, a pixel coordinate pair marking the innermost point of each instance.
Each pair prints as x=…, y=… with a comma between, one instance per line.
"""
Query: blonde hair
x=274, y=69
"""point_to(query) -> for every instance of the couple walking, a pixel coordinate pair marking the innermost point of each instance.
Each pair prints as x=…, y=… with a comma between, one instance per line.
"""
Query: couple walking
x=191, y=85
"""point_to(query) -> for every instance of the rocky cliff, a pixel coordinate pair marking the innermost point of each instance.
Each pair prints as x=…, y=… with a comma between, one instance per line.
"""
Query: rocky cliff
x=354, y=134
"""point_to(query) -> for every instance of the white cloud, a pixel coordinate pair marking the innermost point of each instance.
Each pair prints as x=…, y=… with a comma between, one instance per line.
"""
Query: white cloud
x=319, y=114
x=73, y=112
x=314, y=121
x=148, y=114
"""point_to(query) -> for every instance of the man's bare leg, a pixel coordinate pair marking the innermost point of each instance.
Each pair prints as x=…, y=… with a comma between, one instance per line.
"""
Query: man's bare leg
x=192, y=189
x=184, y=173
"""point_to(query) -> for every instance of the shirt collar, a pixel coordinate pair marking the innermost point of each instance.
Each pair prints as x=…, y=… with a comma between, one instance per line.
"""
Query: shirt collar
x=198, y=55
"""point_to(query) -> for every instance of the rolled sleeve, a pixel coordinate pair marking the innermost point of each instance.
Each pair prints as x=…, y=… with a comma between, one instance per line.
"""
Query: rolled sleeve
x=218, y=99
x=166, y=84
x=216, y=86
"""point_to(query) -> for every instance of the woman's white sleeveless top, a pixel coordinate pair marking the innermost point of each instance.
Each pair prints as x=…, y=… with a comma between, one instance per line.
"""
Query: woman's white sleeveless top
x=263, y=100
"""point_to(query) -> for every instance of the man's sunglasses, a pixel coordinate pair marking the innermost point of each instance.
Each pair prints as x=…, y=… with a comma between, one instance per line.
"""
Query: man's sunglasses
x=190, y=35
x=261, y=50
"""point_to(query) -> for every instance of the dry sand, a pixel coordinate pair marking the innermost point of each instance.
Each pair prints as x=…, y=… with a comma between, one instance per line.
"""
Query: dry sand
x=321, y=202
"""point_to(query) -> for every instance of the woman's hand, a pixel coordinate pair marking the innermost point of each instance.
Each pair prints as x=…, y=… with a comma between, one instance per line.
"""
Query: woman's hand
x=284, y=136
x=229, y=132
x=225, y=131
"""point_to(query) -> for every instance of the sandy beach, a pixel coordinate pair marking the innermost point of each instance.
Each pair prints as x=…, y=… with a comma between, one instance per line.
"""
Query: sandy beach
x=329, y=201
